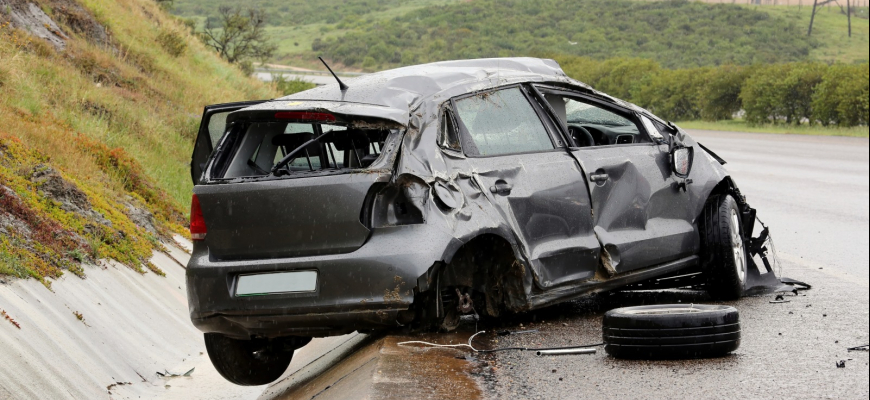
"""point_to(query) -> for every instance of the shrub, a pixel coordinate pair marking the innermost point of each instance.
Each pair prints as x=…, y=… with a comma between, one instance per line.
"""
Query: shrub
x=618, y=77
x=172, y=42
x=855, y=99
x=672, y=94
x=719, y=92
x=761, y=94
x=289, y=86
x=781, y=92
x=841, y=98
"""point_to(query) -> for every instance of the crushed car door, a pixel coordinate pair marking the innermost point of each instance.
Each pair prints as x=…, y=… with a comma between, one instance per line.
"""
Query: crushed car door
x=211, y=129
x=523, y=169
x=642, y=217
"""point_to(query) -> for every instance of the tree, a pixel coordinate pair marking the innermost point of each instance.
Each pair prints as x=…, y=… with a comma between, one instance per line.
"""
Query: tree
x=166, y=4
x=239, y=36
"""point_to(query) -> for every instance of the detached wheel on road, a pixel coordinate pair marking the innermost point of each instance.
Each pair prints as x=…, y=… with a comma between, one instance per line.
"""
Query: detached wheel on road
x=675, y=331
x=251, y=362
x=723, y=249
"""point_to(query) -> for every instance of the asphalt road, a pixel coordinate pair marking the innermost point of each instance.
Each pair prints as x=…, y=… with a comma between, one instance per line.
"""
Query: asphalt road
x=813, y=193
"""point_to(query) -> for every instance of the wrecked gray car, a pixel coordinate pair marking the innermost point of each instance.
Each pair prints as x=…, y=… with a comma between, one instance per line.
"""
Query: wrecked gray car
x=419, y=194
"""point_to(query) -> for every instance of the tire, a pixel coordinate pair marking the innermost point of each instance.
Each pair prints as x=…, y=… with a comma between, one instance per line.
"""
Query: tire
x=723, y=249
x=251, y=362
x=675, y=331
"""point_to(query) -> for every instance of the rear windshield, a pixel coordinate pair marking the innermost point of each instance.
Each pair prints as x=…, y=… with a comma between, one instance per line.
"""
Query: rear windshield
x=263, y=145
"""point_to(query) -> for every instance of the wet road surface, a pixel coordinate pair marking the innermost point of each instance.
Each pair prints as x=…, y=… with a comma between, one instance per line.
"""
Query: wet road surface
x=812, y=192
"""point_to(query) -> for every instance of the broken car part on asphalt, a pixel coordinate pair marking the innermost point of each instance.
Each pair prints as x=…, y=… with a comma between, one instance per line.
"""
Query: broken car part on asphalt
x=506, y=333
x=167, y=374
x=587, y=349
x=562, y=352
x=671, y=331
x=412, y=196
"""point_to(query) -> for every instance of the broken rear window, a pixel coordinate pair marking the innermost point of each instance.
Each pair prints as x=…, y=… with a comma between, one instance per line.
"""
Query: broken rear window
x=312, y=147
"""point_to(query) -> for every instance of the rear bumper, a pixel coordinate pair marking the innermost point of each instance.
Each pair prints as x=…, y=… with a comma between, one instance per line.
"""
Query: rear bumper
x=364, y=289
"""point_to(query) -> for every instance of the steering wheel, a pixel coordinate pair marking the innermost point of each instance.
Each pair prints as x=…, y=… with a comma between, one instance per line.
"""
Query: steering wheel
x=581, y=136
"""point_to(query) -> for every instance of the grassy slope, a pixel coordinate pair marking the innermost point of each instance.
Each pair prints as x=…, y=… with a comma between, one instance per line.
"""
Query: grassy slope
x=294, y=41
x=830, y=30
x=295, y=33
x=68, y=110
x=294, y=24
x=742, y=126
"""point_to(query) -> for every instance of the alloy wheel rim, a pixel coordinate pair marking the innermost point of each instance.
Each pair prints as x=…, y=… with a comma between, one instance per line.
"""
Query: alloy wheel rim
x=737, y=247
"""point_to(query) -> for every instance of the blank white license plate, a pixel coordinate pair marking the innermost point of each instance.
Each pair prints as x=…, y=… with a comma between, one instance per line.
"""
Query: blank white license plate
x=276, y=282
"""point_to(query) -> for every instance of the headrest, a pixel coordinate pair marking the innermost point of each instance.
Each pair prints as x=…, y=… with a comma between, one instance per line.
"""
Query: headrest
x=349, y=139
x=292, y=140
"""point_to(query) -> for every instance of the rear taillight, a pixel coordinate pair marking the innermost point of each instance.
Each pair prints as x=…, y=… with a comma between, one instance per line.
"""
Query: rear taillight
x=197, y=221
x=305, y=116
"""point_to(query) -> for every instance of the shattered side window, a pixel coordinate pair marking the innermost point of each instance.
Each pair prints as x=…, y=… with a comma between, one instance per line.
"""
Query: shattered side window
x=448, y=138
x=217, y=124
x=503, y=122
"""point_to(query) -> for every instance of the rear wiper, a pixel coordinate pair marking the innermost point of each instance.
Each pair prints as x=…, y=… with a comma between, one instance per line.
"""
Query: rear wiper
x=290, y=155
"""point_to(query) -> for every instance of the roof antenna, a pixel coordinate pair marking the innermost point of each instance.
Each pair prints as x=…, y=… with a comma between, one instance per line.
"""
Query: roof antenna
x=341, y=85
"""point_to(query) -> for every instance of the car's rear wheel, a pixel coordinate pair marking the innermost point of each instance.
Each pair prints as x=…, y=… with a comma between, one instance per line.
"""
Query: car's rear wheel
x=724, y=251
x=671, y=331
x=251, y=362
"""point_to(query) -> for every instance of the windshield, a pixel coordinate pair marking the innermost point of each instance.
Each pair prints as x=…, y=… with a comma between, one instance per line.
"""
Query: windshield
x=314, y=147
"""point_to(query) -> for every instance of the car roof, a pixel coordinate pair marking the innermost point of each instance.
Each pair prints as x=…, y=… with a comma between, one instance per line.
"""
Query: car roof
x=403, y=85
x=393, y=94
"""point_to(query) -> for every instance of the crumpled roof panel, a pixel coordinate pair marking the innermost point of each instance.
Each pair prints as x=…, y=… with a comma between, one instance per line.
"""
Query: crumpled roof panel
x=403, y=87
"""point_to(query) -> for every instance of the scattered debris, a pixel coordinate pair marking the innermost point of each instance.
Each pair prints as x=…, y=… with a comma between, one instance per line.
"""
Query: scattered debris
x=79, y=316
x=8, y=318
x=506, y=333
x=109, y=388
x=167, y=374
x=860, y=348
x=841, y=364
x=540, y=351
x=558, y=352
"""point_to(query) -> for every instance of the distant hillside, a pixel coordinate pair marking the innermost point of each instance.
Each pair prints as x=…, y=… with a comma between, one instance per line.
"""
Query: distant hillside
x=99, y=108
x=674, y=33
x=377, y=34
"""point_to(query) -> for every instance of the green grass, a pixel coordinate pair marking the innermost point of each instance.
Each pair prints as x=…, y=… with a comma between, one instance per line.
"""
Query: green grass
x=294, y=33
x=117, y=121
x=742, y=126
x=830, y=32
x=676, y=34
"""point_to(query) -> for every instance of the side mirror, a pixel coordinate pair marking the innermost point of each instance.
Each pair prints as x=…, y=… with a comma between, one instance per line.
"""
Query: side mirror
x=681, y=160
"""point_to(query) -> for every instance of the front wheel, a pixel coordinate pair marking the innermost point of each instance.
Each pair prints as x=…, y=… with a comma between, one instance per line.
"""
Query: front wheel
x=251, y=362
x=724, y=251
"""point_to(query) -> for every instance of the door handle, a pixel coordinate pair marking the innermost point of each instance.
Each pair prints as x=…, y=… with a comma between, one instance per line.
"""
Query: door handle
x=598, y=178
x=501, y=187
